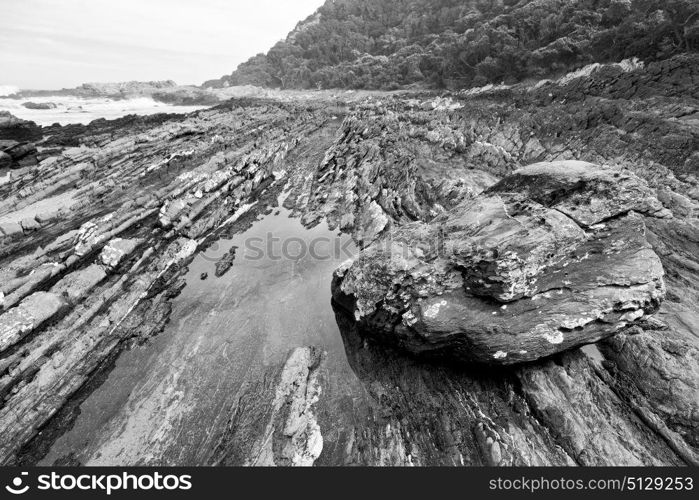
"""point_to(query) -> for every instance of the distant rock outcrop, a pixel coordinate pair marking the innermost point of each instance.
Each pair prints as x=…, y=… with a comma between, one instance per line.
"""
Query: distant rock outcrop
x=125, y=88
x=163, y=91
x=552, y=257
x=16, y=129
x=186, y=96
x=39, y=105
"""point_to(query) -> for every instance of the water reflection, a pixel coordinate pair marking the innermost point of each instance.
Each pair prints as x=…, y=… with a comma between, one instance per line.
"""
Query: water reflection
x=419, y=412
x=176, y=394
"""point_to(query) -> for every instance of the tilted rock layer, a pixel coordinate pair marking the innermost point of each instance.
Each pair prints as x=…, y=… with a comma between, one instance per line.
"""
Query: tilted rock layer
x=552, y=257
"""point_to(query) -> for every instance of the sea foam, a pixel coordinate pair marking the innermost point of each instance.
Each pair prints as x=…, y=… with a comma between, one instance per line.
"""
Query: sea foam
x=6, y=90
x=72, y=109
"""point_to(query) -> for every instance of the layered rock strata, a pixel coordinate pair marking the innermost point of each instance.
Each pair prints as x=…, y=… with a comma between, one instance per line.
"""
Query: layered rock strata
x=119, y=208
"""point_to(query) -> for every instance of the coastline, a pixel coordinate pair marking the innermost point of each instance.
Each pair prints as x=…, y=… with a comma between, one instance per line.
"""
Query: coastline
x=69, y=110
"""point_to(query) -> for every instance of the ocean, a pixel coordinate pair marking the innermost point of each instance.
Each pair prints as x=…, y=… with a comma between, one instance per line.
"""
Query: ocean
x=70, y=109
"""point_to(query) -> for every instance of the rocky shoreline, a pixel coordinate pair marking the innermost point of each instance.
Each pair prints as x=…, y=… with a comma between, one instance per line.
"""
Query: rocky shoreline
x=162, y=91
x=98, y=229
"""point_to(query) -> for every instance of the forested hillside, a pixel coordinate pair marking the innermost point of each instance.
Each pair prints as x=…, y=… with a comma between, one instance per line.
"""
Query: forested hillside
x=388, y=44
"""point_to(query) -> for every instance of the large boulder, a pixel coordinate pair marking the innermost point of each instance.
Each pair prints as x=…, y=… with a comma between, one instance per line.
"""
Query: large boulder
x=552, y=257
x=39, y=105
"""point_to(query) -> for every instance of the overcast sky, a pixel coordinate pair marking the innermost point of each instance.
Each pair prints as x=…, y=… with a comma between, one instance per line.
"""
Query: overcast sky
x=51, y=44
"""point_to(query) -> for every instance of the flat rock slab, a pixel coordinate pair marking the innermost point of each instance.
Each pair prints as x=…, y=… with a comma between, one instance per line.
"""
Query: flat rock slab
x=28, y=315
x=553, y=257
x=10, y=228
x=77, y=285
x=117, y=250
x=583, y=191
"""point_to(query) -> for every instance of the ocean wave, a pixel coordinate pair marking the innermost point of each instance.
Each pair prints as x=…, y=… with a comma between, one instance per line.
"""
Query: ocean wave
x=72, y=109
x=8, y=90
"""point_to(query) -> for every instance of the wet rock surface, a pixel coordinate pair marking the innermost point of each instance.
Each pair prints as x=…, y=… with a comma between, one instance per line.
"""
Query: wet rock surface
x=97, y=237
x=291, y=435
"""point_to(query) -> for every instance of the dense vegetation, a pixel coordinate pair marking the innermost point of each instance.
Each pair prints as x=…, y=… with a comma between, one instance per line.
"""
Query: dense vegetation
x=387, y=44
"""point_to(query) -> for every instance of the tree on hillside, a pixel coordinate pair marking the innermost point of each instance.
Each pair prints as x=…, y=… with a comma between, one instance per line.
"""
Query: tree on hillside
x=460, y=43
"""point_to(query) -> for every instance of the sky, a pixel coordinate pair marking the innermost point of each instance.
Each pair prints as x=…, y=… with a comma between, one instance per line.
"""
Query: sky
x=53, y=44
